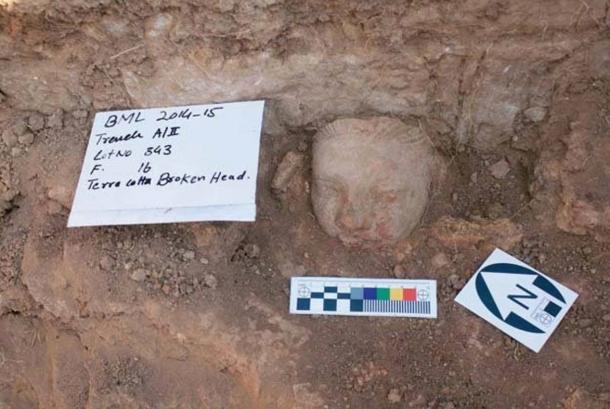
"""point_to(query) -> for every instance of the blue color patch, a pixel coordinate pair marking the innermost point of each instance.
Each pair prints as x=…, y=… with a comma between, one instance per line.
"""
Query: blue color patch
x=330, y=305
x=343, y=296
x=370, y=293
x=356, y=294
x=317, y=295
x=330, y=289
x=303, y=304
x=552, y=309
x=356, y=306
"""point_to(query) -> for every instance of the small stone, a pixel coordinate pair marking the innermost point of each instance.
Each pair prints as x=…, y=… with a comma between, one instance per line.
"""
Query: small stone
x=455, y=282
x=288, y=167
x=474, y=177
x=535, y=114
x=62, y=195
x=36, y=122
x=5, y=206
x=16, y=151
x=585, y=322
x=500, y=169
x=27, y=138
x=139, y=274
x=606, y=318
x=56, y=120
x=188, y=255
x=166, y=289
x=418, y=402
x=440, y=260
x=9, y=138
x=495, y=210
x=252, y=250
x=399, y=271
x=106, y=262
x=204, y=260
x=80, y=114
x=394, y=396
x=19, y=127
x=54, y=208
x=210, y=281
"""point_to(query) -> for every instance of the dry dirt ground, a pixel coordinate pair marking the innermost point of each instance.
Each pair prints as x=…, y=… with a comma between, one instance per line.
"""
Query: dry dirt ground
x=195, y=315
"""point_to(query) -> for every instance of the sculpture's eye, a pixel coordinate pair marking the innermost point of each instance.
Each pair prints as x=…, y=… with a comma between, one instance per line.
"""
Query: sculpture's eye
x=385, y=197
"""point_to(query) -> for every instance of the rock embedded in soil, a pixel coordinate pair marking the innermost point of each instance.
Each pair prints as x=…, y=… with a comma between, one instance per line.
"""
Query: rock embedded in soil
x=5, y=206
x=27, y=138
x=61, y=195
x=9, y=138
x=535, y=114
x=394, y=396
x=371, y=179
x=288, y=167
x=456, y=282
x=210, y=281
x=440, y=260
x=36, y=122
x=106, y=263
x=399, y=271
x=138, y=274
x=500, y=169
x=19, y=127
x=459, y=233
x=252, y=250
x=56, y=120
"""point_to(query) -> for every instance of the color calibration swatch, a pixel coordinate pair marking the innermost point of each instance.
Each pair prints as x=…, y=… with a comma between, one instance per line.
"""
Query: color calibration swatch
x=355, y=296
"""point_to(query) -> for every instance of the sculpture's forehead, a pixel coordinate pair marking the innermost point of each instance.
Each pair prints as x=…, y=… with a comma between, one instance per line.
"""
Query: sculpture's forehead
x=363, y=147
x=365, y=161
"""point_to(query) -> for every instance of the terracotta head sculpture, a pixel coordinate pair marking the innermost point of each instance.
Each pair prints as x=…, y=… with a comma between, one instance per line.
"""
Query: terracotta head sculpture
x=370, y=179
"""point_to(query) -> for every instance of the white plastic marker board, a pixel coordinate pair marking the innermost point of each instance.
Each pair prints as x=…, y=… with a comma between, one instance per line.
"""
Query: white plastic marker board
x=516, y=298
x=363, y=297
x=177, y=164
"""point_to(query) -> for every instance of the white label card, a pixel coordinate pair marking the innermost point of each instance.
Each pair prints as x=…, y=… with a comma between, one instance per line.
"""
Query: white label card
x=177, y=164
x=516, y=298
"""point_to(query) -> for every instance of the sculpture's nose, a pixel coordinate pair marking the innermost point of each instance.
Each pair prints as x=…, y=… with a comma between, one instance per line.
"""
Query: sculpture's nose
x=355, y=216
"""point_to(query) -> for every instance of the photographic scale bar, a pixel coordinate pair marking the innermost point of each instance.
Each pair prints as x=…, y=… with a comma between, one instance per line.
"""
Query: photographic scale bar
x=363, y=297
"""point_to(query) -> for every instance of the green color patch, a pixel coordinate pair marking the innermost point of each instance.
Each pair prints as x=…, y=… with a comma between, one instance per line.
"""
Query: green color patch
x=383, y=294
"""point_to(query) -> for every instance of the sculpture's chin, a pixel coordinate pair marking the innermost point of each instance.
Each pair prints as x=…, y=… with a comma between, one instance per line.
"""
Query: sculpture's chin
x=371, y=238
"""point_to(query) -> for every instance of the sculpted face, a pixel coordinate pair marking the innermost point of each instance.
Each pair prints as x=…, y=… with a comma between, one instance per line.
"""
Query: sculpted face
x=370, y=179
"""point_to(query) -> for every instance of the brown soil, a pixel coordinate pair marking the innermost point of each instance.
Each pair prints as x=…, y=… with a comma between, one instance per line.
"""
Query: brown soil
x=195, y=315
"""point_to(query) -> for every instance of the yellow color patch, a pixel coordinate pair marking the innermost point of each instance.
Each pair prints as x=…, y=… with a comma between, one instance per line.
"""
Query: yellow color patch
x=396, y=294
